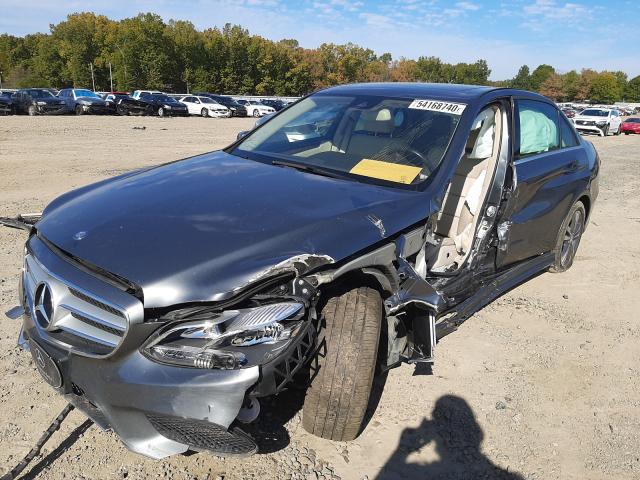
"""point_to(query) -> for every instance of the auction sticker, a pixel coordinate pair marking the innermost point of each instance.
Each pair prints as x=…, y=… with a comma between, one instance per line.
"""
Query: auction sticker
x=439, y=106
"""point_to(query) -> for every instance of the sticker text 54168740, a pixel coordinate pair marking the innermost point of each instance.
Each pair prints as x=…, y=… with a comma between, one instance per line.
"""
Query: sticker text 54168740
x=439, y=106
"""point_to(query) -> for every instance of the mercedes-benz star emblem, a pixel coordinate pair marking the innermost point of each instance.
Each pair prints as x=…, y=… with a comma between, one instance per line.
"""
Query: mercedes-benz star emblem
x=40, y=359
x=44, y=305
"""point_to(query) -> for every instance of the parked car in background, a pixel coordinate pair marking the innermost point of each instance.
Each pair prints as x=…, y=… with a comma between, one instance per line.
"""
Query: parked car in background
x=255, y=108
x=205, y=107
x=164, y=105
x=139, y=93
x=166, y=302
x=237, y=110
x=569, y=112
x=123, y=104
x=277, y=105
x=6, y=103
x=601, y=121
x=630, y=125
x=38, y=101
x=82, y=101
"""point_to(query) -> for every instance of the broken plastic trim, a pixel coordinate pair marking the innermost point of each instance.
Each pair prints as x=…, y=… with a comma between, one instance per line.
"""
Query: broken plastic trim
x=24, y=221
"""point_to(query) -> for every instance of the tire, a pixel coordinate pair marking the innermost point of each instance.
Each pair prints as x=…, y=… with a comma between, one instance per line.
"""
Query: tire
x=256, y=113
x=161, y=112
x=618, y=131
x=32, y=110
x=204, y=113
x=79, y=110
x=122, y=111
x=569, y=238
x=348, y=335
x=605, y=131
x=626, y=133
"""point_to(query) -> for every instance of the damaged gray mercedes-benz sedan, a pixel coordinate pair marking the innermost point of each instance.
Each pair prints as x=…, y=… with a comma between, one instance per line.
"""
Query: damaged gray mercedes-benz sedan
x=344, y=236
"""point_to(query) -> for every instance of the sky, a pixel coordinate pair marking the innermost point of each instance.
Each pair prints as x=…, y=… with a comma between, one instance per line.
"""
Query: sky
x=599, y=34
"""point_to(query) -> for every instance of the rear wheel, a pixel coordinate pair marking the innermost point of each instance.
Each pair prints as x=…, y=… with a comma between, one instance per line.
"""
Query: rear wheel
x=626, y=133
x=204, y=113
x=348, y=334
x=569, y=238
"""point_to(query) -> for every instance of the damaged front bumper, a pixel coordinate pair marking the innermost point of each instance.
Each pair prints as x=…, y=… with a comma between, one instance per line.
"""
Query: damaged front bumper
x=156, y=409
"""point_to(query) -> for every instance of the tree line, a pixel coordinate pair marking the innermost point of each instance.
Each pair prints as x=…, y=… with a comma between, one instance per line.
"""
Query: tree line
x=147, y=52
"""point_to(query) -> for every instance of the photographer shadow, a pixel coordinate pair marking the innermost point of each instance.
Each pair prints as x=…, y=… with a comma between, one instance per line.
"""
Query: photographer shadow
x=457, y=438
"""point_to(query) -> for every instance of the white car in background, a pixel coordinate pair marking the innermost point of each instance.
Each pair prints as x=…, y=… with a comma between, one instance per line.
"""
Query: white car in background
x=601, y=121
x=205, y=107
x=255, y=108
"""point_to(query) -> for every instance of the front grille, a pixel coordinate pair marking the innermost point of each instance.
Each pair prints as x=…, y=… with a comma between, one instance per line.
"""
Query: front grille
x=203, y=435
x=76, y=319
x=95, y=302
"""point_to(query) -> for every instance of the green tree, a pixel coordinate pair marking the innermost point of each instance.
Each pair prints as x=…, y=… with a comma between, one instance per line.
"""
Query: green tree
x=540, y=75
x=632, y=92
x=522, y=79
x=605, y=88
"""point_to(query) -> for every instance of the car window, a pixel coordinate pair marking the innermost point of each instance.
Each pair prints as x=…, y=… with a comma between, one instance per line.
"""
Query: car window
x=567, y=135
x=538, y=127
x=379, y=137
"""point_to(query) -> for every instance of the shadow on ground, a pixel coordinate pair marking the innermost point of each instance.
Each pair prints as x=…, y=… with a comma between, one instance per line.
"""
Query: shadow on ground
x=457, y=438
x=65, y=445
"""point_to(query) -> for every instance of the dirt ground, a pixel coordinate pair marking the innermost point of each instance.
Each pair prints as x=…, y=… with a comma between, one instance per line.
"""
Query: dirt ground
x=542, y=384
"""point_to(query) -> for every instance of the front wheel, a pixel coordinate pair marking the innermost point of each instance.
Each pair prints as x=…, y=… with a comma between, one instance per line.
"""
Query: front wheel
x=79, y=110
x=204, y=113
x=32, y=110
x=161, y=112
x=618, y=131
x=256, y=113
x=569, y=238
x=348, y=334
x=605, y=130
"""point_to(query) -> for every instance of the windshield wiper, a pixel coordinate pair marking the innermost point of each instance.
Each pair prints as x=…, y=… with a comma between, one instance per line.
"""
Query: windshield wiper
x=307, y=168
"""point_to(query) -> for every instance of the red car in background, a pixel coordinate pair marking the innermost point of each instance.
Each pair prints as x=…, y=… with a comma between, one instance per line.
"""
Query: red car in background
x=630, y=125
x=569, y=113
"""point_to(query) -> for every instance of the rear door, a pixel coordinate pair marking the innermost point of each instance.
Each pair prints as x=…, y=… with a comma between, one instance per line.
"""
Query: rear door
x=548, y=167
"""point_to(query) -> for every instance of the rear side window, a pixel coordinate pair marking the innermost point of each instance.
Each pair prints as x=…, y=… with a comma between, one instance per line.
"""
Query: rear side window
x=538, y=127
x=567, y=135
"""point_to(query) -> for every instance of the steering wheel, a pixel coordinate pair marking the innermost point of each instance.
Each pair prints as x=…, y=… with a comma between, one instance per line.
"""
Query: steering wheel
x=410, y=155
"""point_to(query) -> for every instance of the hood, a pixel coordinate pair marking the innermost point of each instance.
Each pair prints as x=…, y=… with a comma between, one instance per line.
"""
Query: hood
x=590, y=118
x=91, y=101
x=201, y=228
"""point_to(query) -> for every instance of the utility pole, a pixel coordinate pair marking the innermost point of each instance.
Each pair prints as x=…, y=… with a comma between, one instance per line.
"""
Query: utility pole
x=93, y=80
x=110, y=77
x=0, y=80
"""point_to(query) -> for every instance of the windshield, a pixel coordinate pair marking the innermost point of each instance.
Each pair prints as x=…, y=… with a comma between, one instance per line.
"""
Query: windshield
x=206, y=100
x=86, y=93
x=632, y=120
x=391, y=139
x=595, y=113
x=40, y=93
x=161, y=98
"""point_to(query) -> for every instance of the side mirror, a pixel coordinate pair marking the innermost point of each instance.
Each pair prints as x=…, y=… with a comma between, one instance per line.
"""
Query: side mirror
x=242, y=134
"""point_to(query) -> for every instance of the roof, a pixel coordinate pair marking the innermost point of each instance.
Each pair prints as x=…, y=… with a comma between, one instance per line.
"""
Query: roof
x=415, y=90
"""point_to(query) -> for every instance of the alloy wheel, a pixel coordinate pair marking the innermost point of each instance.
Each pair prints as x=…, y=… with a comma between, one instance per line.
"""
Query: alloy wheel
x=572, y=236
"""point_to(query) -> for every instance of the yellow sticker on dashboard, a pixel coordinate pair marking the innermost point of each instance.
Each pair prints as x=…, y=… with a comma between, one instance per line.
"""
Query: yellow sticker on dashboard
x=394, y=172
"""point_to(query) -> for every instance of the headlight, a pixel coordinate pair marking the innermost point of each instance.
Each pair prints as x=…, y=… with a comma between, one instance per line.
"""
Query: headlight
x=228, y=340
x=41, y=103
x=168, y=107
